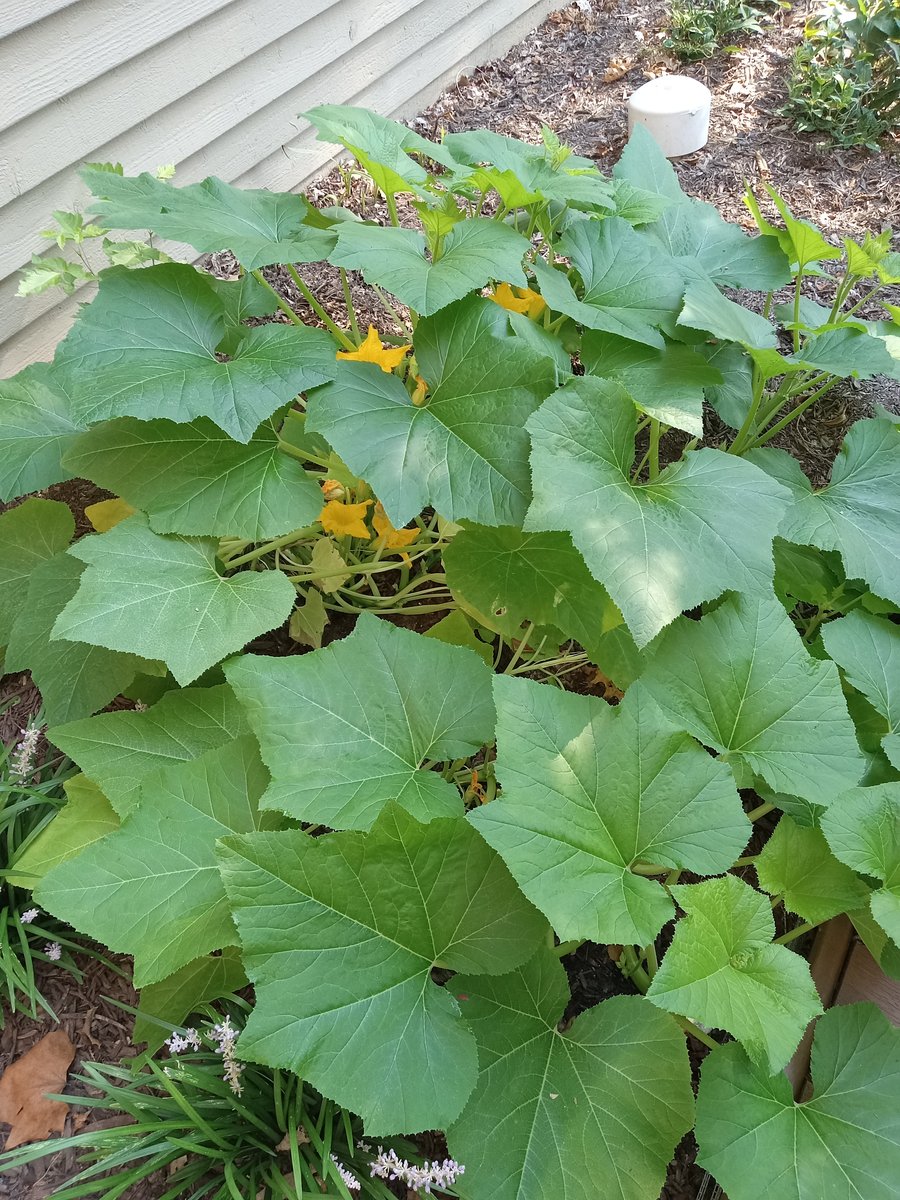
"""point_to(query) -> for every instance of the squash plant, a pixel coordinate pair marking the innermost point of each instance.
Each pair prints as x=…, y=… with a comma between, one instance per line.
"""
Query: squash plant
x=402, y=835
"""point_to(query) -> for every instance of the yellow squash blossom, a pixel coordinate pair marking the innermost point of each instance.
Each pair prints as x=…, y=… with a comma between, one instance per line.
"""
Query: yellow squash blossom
x=418, y=396
x=372, y=351
x=332, y=489
x=390, y=538
x=520, y=300
x=345, y=520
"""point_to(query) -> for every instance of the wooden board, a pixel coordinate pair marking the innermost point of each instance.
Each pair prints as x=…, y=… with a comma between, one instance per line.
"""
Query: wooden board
x=844, y=972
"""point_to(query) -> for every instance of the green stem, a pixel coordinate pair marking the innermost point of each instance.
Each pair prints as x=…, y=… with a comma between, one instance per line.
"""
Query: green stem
x=565, y=948
x=318, y=309
x=795, y=332
x=759, y=385
x=654, y=448
x=523, y=642
x=648, y=869
x=389, y=308
x=392, y=207
x=761, y=811
x=795, y=933
x=813, y=624
x=747, y=861
x=690, y=1028
x=351, y=311
x=865, y=299
x=794, y=414
x=633, y=970
x=652, y=960
x=636, y=473
x=286, y=539
x=279, y=300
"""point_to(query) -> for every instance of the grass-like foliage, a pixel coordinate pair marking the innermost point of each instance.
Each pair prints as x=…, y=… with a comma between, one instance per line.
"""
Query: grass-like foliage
x=200, y=1124
x=697, y=29
x=396, y=836
x=845, y=77
x=35, y=782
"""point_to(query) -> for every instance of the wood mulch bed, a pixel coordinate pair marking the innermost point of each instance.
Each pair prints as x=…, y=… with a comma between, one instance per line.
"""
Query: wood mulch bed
x=573, y=74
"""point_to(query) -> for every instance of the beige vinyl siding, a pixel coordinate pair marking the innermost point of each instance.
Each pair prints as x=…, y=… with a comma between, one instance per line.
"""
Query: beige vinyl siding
x=214, y=87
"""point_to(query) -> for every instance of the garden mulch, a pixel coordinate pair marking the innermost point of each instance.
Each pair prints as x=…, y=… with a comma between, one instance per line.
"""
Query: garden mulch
x=573, y=74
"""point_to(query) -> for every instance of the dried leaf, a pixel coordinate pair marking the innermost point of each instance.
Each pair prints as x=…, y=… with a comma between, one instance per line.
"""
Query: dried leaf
x=308, y=622
x=106, y=513
x=285, y=1144
x=325, y=557
x=345, y=520
x=23, y=1088
x=618, y=68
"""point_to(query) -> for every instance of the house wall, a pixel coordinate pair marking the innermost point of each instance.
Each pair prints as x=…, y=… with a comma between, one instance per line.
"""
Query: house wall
x=214, y=86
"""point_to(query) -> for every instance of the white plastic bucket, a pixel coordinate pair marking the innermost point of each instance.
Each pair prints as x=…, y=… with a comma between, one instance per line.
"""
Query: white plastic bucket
x=675, y=110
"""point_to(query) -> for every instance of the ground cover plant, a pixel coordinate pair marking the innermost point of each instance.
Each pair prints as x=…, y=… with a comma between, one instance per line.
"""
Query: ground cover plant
x=845, y=76
x=698, y=29
x=399, y=837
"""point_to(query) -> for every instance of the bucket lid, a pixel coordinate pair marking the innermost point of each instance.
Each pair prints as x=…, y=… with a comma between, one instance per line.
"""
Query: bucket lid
x=669, y=95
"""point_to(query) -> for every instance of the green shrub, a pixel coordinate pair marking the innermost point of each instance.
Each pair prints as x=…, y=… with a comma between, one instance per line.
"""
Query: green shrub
x=845, y=78
x=701, y=28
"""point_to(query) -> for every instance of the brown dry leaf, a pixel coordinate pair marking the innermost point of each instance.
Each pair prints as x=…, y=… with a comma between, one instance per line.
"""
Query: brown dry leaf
x=610, y=690
x=302, y=1140
x=23, y=1101
x=617, y=69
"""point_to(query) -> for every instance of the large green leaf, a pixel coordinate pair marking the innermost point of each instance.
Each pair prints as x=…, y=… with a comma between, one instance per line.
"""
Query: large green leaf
x=801, y=242
x=146, y=347
x=723, y=970
x=339, y=753
x=843, y=1144
x=706, y=308
x=667, y=384
x=524, y=174
x=466, y=450
x=30, y=534
x=863, y=830
x=382, y=146
x=75, y=679
x=742, y=682
x=627, y=288
x=36, y=427
x=514, y=577
x=856, y=513
x=163, y=598
x=86, y=817
x=258, y=227
x=797, y=864
x=340, y=935
x=590, y=792
x=867, y=649
x=733, y=396
x=174, y=998
x=705, y=525
x=694, y=232
x=152, y=888
x=474, y=253
x=846, y=352
x=195, y=479
x=119, y=750
x=596, y=1110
